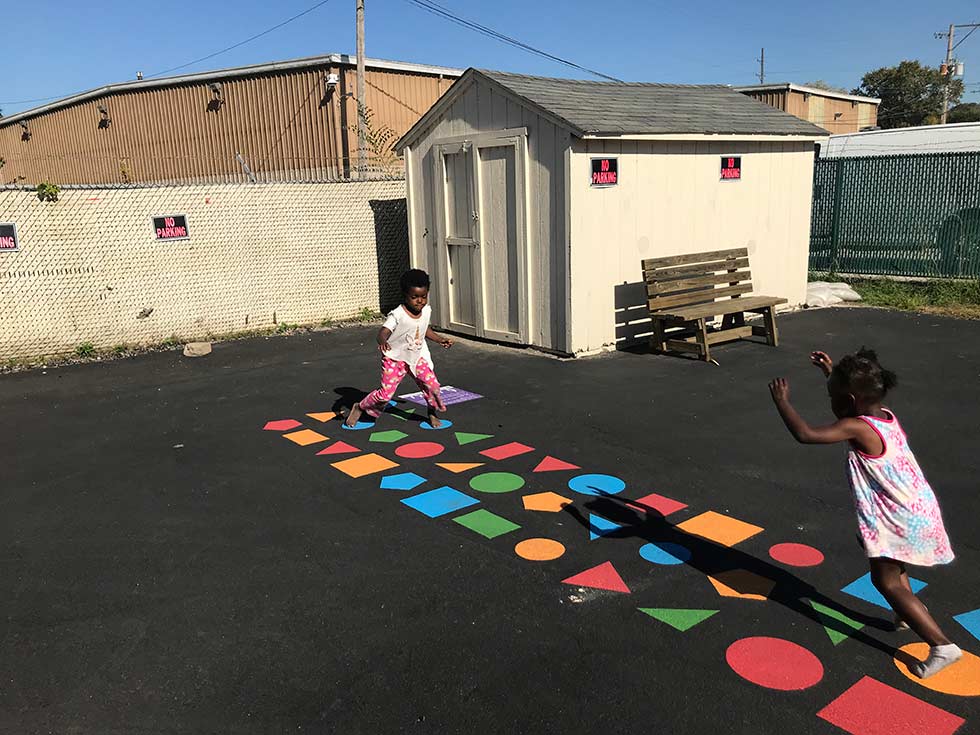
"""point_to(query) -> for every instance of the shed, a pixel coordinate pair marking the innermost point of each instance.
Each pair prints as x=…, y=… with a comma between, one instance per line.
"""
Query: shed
x=532, y=201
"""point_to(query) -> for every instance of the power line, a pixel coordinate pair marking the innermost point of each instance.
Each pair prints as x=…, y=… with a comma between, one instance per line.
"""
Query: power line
x=189, y=63
x=241, y=43
x=972, y=30
x=438, y=10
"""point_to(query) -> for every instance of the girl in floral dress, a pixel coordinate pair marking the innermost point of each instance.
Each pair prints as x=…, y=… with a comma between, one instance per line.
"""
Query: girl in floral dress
x=898, y=516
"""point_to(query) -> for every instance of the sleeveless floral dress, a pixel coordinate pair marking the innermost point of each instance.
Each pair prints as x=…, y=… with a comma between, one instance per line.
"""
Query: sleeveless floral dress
x=898, y=514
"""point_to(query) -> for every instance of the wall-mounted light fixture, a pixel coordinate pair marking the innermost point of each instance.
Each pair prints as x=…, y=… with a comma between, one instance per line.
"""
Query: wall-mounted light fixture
x=26, y=135
x=106, y=121
x=217, y=100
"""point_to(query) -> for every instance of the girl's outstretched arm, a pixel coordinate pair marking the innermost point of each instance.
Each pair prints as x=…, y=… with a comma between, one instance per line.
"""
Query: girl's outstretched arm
x=444, y=341
x=848, y=429
x=383, y=334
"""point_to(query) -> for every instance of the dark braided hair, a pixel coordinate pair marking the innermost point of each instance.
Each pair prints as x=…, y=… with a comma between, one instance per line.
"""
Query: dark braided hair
x=414, y=278
x=863, y=376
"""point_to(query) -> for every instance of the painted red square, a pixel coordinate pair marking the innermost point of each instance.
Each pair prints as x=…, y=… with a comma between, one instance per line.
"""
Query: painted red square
x=663, y=505
x=505, y=451
x=872, y=708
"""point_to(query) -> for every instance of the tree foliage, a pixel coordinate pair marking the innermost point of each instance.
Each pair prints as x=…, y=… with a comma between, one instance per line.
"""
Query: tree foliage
x=826, y=86
x=966, y=112
x=911, y=94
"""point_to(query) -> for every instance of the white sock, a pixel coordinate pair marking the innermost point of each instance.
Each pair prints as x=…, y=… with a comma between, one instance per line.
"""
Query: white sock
x=939, y=658
x=900, y=624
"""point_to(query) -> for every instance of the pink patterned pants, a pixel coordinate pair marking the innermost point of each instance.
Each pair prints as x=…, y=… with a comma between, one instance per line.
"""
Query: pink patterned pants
x=392, y=373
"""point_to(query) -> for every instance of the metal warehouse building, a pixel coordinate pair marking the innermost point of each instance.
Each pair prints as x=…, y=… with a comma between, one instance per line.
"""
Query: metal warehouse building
x=533, y=201
x=283, y=121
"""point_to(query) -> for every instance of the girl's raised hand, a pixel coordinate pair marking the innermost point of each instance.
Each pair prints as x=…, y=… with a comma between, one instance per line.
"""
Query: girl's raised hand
x=822, y=360
x=779, y=388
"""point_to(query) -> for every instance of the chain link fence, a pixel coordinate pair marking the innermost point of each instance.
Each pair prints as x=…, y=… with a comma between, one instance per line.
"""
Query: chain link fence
x=90, y=270
x=908, y=215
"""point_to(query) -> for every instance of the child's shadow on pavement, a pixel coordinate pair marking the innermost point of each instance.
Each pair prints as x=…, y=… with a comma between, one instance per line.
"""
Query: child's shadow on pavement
x=347, y=396
x=711, y=558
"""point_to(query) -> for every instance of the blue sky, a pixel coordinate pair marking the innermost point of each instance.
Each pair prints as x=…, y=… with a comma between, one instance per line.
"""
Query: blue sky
x=51, y=53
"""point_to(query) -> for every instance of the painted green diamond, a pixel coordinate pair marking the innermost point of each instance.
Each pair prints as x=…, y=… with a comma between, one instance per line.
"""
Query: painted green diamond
x=388, y=437
x=486, y=523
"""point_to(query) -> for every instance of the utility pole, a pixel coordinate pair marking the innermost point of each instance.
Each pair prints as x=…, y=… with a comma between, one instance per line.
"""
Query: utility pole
x=950, y=67
x=949, y=72
x=361, y=109
x=762, y=67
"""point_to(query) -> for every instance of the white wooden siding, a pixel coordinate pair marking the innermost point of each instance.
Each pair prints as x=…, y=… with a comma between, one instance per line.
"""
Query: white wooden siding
x=482, y=108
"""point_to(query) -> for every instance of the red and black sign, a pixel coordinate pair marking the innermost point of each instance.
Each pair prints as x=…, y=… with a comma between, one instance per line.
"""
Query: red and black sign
x=171, y=228
x=8, y=237
x=605, y=171
x=731, y=168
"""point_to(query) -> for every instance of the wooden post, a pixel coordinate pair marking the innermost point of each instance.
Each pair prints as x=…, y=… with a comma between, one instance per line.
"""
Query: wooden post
x=361, y=107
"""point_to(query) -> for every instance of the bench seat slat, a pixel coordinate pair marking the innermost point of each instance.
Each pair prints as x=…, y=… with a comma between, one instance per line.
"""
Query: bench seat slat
x=718, y=308
x=687, y=271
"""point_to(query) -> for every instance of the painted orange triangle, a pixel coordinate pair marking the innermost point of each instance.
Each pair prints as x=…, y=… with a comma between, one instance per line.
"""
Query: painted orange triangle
x=458, y=467
x=323, y=417
x=742, y=584
x=550, y=464
x=602, y=577
x=339, y=448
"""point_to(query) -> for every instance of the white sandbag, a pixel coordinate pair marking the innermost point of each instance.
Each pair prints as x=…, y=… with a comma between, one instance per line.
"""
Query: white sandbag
x=818, y=294
x=844, y=292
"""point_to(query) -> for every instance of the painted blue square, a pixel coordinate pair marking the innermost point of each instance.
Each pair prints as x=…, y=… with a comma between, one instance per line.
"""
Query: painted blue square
x=402, y=481
x=599, y=526
x=440, y=501
x=970, y=621
x=863, y=589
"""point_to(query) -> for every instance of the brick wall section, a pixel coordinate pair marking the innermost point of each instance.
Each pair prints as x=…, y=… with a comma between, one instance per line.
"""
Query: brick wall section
x=258, y=255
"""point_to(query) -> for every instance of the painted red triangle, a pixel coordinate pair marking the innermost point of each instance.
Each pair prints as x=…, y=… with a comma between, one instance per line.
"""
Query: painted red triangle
x=602, y=577
x=338, y=448
x=550, y=464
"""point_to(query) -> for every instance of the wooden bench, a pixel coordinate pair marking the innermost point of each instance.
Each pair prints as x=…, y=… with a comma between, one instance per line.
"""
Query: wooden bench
x=688, y=290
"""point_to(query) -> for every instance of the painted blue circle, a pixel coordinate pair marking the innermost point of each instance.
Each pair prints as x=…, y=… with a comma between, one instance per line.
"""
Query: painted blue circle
x=446, y=423
x=359, y=426
x=664, y=552
x=596, y=485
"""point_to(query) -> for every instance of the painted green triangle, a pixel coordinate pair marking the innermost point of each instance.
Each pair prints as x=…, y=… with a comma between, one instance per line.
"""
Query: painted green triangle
x=679, y=618
x=464, y=438
x=836, y=636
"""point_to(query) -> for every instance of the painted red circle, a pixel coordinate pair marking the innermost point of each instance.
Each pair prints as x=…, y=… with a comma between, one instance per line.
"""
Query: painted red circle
x=796, y=555
x=774, y=663
x=419, y=450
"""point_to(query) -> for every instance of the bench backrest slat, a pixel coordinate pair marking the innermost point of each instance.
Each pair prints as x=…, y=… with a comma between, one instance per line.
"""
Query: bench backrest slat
x=689, y=280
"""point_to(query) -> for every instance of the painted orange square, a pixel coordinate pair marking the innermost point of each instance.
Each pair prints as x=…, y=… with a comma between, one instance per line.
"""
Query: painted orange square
x=722, y=529
x=305, y=437
x=366, y=464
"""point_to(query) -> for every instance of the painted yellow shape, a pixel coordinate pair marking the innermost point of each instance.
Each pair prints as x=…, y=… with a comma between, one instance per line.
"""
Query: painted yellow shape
x=322, y=417
x=547, y=502
x=305, y=437
x=962, y=679
x=742, y=584
x=458, y=467
x=720, y=528
x=366, y=464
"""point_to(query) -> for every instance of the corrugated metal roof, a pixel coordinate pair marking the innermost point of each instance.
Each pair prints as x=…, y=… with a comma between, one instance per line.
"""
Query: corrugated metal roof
x=623, y=108
x=230, y=73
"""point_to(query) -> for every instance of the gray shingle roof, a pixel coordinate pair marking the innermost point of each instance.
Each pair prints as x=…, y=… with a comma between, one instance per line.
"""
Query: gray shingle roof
x=621, y=108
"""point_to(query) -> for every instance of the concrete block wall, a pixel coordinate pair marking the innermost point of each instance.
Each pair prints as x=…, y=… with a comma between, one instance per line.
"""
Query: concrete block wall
x=89, y=269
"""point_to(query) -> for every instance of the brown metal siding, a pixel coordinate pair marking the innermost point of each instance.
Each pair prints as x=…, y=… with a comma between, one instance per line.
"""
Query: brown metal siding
x=770, y=97
x=283, y=124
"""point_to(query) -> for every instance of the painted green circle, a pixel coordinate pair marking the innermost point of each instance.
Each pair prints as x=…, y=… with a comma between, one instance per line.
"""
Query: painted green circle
x=497, y=482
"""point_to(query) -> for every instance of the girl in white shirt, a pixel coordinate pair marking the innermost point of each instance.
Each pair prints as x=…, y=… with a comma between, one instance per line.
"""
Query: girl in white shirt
x=403, y=349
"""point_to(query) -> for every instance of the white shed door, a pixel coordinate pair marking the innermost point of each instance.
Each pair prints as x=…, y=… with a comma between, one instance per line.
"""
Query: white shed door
x=481, y=202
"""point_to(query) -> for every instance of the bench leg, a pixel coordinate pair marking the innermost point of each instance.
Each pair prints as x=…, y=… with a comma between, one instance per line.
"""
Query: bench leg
x=772, y=336
x=702, y=335
x=657, y=342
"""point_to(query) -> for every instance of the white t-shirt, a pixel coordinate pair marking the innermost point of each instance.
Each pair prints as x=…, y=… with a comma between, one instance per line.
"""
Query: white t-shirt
x=407, y=338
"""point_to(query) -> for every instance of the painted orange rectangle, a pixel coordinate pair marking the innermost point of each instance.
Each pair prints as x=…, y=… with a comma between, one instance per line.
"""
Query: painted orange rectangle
x=305, y=437
x=720, y=528
x=366, y=464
